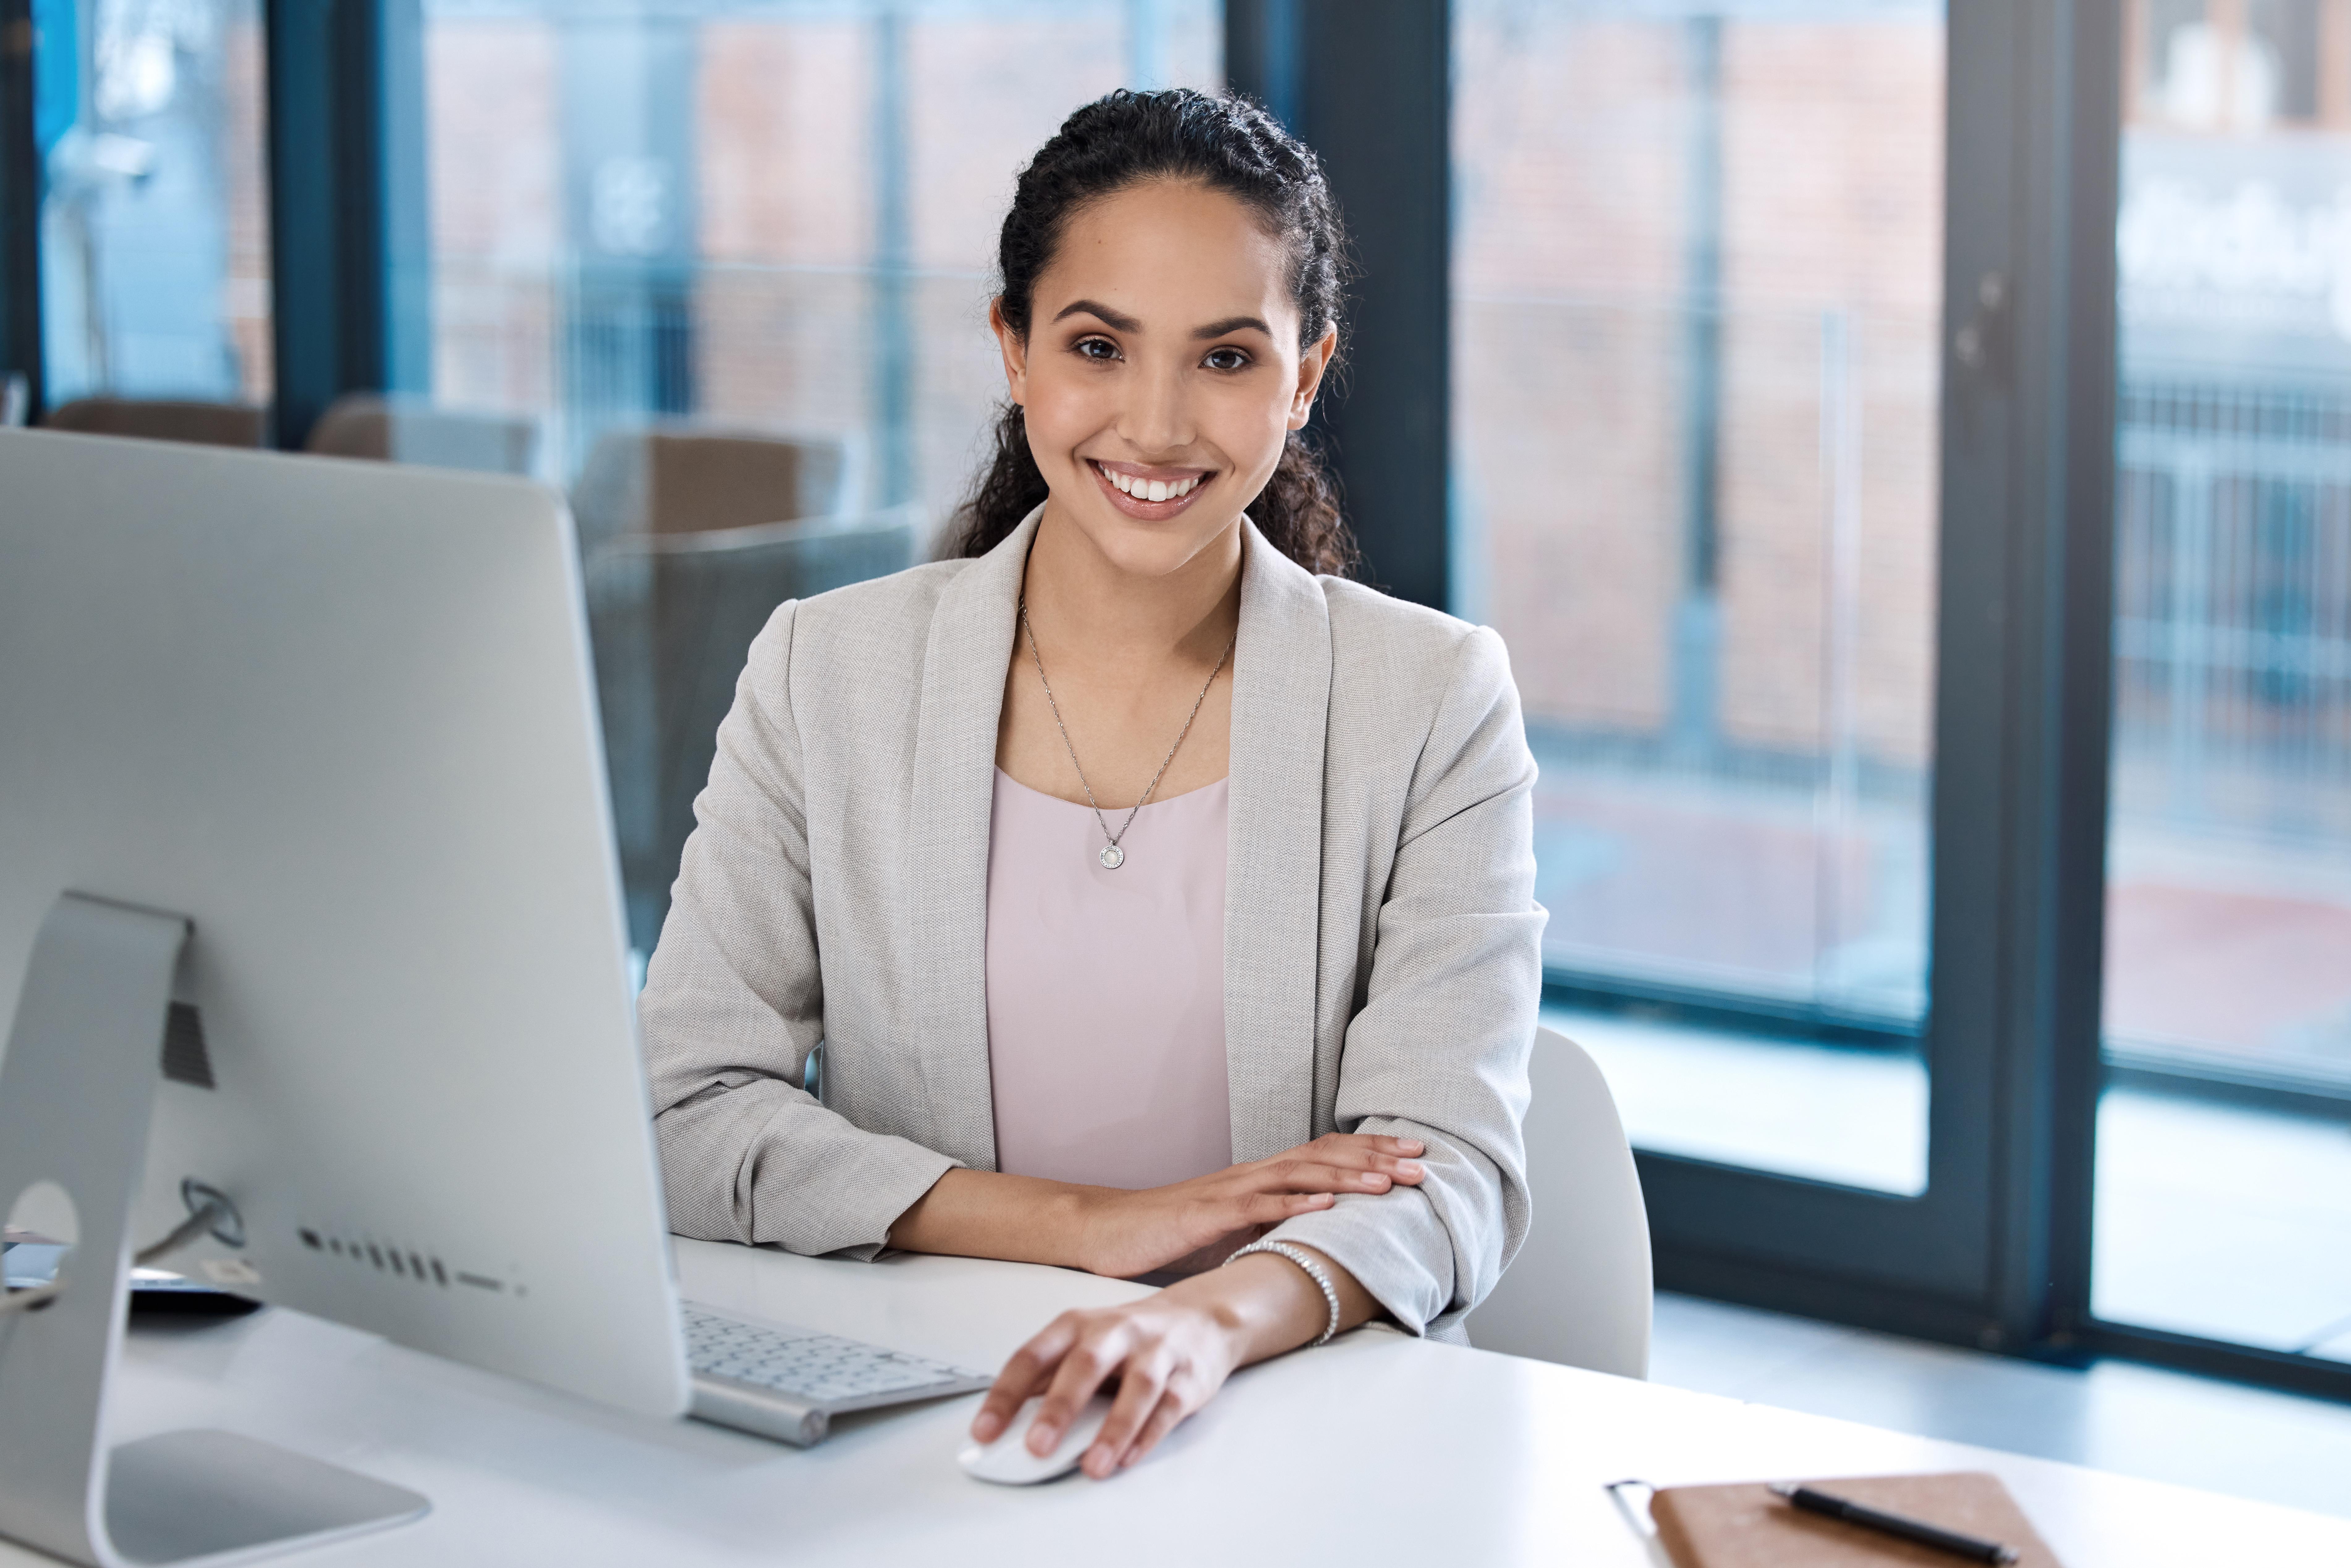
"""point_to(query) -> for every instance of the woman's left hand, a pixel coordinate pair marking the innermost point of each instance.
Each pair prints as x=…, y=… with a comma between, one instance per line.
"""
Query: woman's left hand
x=1167, y=1354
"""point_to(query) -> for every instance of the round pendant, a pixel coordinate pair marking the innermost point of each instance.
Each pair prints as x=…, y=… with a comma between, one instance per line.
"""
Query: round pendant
x=1113, y=857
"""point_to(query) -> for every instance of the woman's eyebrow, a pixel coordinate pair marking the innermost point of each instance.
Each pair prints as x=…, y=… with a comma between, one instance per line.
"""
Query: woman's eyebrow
x=1231, y=324
x=1108, y=318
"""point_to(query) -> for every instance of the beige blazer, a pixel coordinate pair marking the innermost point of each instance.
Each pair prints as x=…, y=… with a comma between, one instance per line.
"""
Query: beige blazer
x=1381, y=933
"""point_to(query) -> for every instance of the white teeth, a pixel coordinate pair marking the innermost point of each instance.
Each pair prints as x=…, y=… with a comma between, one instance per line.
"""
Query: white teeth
x=1152, y=489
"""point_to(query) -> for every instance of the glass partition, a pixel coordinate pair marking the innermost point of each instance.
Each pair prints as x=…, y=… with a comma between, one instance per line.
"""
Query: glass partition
x=1698, y=255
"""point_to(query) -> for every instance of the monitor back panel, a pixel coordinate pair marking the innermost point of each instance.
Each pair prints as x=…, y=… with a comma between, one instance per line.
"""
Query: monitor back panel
x=339, y=715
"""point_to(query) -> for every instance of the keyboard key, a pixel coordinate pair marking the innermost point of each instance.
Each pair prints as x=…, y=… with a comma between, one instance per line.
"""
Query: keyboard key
x=815, y=1367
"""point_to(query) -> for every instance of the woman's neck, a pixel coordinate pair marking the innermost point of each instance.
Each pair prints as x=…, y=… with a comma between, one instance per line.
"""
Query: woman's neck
x=1105, y=615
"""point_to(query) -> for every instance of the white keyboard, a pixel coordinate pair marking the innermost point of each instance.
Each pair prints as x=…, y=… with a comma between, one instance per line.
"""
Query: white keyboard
x=785, y=1382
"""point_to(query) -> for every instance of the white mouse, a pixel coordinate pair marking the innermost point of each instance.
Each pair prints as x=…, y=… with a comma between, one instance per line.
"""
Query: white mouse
x=1008, y=1460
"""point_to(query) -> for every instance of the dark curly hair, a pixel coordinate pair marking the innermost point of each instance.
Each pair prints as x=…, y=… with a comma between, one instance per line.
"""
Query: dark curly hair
x=1227, y=144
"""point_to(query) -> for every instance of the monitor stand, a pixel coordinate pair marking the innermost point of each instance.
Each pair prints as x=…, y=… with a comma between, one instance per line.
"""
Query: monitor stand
x=77, y=1090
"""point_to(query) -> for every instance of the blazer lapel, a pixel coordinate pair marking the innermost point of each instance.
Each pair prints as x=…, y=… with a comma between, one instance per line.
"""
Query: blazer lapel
x=954, y=788
x=1273, y=875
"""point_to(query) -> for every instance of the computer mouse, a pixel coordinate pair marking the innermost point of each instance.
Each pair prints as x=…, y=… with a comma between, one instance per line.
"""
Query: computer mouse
x=1008, y=1460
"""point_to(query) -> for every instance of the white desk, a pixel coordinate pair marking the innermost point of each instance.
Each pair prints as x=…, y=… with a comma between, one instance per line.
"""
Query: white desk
x=1377, y=1448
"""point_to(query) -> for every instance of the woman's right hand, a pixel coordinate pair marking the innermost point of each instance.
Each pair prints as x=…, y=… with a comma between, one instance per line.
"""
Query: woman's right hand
x=1123, y=1234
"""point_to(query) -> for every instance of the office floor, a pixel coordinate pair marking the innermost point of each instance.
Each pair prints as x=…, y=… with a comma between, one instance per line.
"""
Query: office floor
x=2116, y=1415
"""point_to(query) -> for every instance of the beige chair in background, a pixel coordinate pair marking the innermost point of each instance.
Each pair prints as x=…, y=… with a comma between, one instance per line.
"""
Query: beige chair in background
x=1580, y=1290
x=672, y=617
x=164, y=419
x=685, y=477
x=396, y=429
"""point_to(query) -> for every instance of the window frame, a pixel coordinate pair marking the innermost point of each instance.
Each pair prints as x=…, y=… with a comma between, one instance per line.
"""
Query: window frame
x=20, y=206
x=348, y=229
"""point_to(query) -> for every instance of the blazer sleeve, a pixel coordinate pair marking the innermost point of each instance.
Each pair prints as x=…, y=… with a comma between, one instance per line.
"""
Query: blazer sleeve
x=734, y=1003
x=1438, y=1048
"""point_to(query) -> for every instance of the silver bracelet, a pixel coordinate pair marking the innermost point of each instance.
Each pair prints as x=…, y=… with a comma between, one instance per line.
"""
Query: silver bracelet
x=1314, y=1272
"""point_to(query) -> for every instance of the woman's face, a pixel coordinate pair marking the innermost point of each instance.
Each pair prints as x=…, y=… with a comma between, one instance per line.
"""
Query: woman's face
x=1162, y=362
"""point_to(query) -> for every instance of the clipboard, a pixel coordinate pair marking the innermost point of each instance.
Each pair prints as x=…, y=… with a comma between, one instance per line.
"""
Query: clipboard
x=1744, y=1525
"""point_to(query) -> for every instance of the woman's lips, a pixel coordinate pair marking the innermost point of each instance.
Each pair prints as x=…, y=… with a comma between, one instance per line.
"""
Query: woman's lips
x=1141, y=505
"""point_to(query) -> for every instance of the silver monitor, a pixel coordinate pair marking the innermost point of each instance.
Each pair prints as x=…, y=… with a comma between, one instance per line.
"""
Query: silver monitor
x=334, y=722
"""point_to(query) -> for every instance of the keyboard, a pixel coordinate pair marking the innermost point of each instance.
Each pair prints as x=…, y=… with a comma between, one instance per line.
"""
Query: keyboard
x=788, y=1383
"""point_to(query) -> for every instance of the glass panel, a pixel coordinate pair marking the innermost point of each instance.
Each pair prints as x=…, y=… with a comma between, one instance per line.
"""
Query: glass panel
x=771, y=222
x=155, y=214
x=2224, y=1158
x=1696, y=260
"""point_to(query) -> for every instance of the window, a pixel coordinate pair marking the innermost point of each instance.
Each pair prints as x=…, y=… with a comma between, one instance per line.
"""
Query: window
x=777, y=216
x=154, y=220
x=2238, y=65
x=1696, y=274
x=2223, y=1168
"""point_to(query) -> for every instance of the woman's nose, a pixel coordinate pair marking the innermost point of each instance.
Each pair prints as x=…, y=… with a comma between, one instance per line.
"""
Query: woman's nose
x=1157, y=416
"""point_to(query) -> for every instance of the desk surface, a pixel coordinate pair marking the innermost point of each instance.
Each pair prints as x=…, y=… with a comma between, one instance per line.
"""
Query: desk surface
x=1377, y=1446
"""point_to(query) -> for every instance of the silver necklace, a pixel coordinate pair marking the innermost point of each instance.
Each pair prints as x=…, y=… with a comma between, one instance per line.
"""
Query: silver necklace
x=1111, y=856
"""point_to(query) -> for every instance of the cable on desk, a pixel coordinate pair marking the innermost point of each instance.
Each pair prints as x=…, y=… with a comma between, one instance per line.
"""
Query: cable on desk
x=26, y=1301
x=187, y=1230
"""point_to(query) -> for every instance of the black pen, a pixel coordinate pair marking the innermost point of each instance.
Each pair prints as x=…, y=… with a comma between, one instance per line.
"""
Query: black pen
x=1951, y=1540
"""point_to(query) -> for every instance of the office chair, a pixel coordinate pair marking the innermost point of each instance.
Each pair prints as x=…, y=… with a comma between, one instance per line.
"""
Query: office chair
x=417, y=431
x=672, y=617
x=1579, y=1291
x=680, y=477
x=163, y=419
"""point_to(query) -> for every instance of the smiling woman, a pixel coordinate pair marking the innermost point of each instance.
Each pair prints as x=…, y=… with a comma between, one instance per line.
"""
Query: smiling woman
x=1163, y=901
x=1168, y=160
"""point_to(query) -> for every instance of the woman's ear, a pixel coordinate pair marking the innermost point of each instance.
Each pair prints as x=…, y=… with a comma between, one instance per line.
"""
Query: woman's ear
x=1310, y=366
x=1015, y=351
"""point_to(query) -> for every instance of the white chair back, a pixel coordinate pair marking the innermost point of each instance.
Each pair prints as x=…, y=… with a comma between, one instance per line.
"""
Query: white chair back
x=1579, y=1291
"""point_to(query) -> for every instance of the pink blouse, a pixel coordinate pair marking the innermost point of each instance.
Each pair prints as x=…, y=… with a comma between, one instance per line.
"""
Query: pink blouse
x=1106, y=990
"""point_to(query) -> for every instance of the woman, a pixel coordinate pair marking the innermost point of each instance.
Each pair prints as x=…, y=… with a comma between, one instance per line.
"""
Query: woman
x=1287, y=992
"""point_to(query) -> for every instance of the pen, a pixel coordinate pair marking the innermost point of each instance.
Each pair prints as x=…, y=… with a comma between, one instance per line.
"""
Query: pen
x=1969, y=1546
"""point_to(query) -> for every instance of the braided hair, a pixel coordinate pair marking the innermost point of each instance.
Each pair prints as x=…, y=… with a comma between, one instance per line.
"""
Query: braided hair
x=1227, y=144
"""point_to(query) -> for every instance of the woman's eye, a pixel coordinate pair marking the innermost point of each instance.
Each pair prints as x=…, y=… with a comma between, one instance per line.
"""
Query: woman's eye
x=1226, y=359
x=1097, y=349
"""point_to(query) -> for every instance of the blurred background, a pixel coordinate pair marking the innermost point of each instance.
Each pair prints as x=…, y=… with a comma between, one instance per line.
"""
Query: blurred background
x=1661, y=350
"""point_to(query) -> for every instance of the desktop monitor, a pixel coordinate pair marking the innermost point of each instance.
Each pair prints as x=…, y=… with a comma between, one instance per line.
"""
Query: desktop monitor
x=338, y=718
